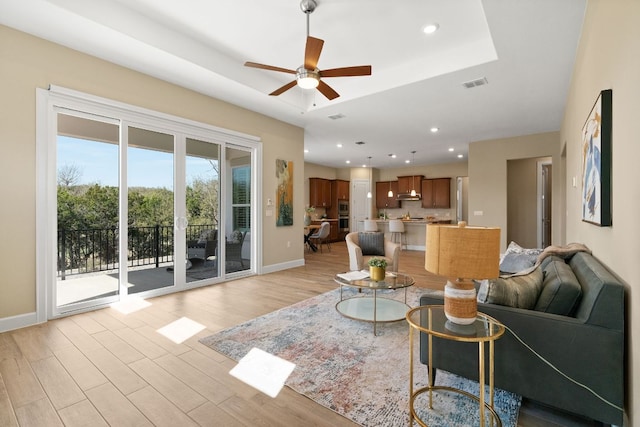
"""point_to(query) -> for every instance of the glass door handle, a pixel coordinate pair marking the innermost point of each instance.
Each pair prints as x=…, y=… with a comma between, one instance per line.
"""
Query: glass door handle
x=181, y=223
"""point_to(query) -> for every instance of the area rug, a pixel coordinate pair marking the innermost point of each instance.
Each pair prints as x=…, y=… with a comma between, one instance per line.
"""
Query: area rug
x=342, y=366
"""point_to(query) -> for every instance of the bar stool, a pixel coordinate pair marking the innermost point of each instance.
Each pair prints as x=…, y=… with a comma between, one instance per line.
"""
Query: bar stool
x=370, y=225
x=396, y=228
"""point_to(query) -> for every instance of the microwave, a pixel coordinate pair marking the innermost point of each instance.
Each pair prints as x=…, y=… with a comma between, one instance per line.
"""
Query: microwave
x=343, y=208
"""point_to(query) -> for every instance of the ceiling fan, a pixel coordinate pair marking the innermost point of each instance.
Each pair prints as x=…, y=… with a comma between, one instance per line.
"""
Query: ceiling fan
x=308, y=76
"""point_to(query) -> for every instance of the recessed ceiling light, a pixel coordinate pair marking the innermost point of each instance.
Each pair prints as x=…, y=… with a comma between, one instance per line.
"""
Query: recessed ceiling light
x=306, y=151
x=393, y=156
x=339, y=145
x=430, y=28
x=407, y=161
x=450, y=149
x=434, y=129
x=460, y=156
x=348, y=161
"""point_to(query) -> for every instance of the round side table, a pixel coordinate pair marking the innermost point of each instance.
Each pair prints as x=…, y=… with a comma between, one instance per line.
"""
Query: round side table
x=430, y=319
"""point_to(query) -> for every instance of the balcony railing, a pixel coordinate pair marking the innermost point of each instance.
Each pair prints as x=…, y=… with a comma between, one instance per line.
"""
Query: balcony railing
x=96, y=250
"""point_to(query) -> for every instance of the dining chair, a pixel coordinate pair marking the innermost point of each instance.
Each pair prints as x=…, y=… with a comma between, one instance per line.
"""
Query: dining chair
x=322, y=236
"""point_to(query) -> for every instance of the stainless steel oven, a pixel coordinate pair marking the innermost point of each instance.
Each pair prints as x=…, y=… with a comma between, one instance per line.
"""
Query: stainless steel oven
x=343, y=208
x=343, y=223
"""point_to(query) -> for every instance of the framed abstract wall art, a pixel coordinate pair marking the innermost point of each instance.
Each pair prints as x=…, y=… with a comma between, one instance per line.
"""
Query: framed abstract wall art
x=284, y=193
x=596, y=162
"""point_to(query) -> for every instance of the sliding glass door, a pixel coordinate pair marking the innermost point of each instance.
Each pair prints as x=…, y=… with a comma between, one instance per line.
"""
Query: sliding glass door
x=88, y=193
x=203, y=229
x=150, y=210
x=139, y=207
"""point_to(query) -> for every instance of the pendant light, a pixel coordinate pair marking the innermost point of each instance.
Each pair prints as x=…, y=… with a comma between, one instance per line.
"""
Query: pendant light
x=370, y=178
x=413, y=183
x=390, y=193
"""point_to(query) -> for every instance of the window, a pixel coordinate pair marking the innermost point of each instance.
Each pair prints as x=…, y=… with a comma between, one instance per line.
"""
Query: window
x=241, y=197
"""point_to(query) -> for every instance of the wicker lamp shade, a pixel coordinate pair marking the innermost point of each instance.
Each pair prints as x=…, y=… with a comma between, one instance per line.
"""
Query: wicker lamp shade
x=462, y=253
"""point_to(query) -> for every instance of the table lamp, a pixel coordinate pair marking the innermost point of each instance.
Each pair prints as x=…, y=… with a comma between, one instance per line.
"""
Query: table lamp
x=463, y=253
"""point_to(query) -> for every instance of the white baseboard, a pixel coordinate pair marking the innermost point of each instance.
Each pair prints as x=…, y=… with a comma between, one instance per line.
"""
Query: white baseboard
x=415, y=248
x=17, y=322
x=282, y=266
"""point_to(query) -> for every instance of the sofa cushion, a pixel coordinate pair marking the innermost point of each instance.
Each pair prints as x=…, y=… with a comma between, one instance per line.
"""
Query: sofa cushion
x=515, y=291
x=371, y=243
x=561, y=291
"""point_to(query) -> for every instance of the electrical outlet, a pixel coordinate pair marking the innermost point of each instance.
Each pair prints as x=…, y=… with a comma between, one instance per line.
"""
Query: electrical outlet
x=478, y=213
x=288, y=244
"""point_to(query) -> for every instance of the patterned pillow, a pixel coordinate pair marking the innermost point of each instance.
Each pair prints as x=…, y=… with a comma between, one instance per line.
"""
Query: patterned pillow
x=371, y=243
x=207, y=235
x=514, y=262
x=517, y=249
x=516, y=291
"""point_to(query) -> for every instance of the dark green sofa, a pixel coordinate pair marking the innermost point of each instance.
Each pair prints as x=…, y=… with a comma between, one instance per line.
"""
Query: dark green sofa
x=588, y=345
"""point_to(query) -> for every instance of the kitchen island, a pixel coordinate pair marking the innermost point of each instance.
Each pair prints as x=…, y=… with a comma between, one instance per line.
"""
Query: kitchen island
x=414, y=229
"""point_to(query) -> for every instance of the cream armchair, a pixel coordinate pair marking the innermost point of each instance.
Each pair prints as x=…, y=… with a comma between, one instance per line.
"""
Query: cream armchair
x=358, y=261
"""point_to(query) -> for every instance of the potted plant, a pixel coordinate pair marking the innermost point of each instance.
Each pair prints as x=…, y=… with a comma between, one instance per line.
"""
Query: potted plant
x=377, y=268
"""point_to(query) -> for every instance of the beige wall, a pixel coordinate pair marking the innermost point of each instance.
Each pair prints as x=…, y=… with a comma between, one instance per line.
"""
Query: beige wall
x=522, y=201
x=488, y=179
x=28, y=63
x=608, y=58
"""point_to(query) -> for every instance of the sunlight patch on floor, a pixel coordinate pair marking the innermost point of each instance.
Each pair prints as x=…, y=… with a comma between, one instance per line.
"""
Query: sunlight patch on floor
x=130, y=305
x=263, y=371
x=181, y=330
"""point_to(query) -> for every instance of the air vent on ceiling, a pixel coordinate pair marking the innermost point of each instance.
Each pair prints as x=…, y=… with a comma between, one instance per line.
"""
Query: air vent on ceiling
x=477, y=82
x=359, y=142
x=337, y=116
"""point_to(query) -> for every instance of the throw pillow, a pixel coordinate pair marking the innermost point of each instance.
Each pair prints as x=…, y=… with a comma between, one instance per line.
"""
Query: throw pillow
x=206, y=235
x=371, y=243
x=561, y=290
x=515, y=248
x=515, y=262
x=517, y=291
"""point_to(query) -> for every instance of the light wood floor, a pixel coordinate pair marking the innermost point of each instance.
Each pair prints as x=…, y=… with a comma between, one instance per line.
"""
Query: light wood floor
x=108, y=368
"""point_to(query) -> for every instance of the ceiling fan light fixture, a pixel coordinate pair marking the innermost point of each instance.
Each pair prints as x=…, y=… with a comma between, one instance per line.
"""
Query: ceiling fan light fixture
x=307, y=79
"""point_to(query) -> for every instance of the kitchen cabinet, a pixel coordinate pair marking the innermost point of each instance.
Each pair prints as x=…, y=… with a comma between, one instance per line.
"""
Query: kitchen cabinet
x=436, y=193
x=341, y=189
x=382, y=201
x=408, y=183
x=319, y=192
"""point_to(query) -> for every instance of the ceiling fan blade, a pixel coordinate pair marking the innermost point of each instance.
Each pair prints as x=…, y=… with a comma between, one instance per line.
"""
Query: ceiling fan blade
x=327, y=91
x=312, y=52
x=360, y=70
x=283, y=88
x=268, y=67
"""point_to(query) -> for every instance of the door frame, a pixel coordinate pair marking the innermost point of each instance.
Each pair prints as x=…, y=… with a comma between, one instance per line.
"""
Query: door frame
x=540, y=202
x=47, y=104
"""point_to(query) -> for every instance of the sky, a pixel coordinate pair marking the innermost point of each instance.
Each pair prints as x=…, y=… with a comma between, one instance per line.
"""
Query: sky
x=98, y=164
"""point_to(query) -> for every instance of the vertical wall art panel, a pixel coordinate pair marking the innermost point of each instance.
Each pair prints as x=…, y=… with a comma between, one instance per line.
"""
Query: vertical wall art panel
x=596, y=162
x=284, y=194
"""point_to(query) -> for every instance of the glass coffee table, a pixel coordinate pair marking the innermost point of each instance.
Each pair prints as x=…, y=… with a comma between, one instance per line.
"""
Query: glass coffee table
x=372, y=308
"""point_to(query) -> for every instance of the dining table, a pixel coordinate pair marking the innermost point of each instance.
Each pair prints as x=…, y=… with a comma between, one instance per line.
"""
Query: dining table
x=308, y=231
